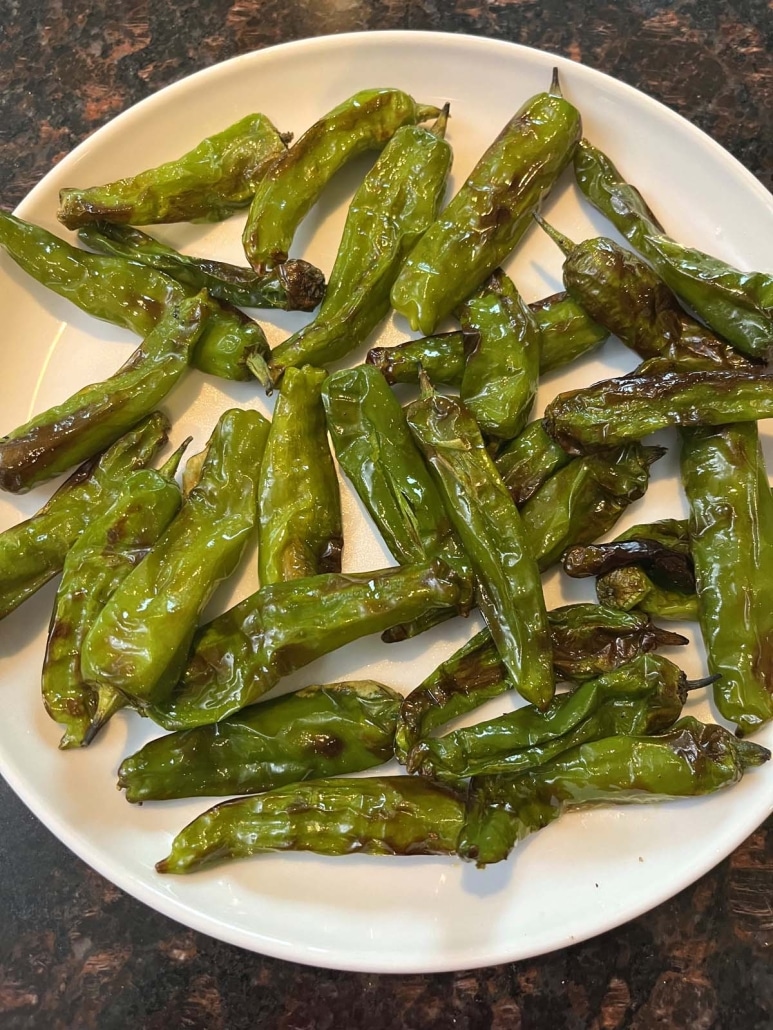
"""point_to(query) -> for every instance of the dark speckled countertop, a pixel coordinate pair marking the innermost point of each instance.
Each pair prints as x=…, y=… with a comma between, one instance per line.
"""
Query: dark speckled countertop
x=77, y=952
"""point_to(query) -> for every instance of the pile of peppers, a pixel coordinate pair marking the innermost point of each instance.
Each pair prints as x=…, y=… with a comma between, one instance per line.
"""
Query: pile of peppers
x=474, y=499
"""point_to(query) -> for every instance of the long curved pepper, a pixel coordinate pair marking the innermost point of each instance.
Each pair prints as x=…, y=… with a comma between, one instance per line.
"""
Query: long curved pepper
x=294, y=181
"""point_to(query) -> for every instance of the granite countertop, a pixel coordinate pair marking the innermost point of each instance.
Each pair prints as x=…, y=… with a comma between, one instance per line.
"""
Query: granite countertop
x=77, y=952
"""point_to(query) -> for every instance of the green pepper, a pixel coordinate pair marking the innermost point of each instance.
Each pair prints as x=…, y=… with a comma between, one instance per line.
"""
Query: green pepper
x=300, y=532
x=139, y=643
x=96, y=416
x=499, y=383
x=294, y=181
x=660, y=548
x=527, y=462
x=98, y=562
x=244, y=652
x=493, y=536
x=209, y=182
x=133, y=296
x=293, y=286
x=491, y=211
x=34, y=551
x=654, y=396
x=737, y=305
x=376, y=815
x=641, y=698
x=588, y=640
x=731, y=537
x=318, y=731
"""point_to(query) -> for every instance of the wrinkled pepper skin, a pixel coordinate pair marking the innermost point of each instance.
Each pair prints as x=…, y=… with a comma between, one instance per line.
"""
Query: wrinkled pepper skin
x=566, y=333
x=632, y=589
x=96, y=416
x=376, y=815
x=653, y=397
x=660, y=548
x=32, y=552
x=589, y=640
x=139, y=643
x=731, y=534
x=396, y=203
x=294, y=181
x=641, y=698
x=502, y=371
x=624, y=294
x=98, y=562
x=527, y=462
x=490, y=213
x=209, y=182
x=244, y=652
x=493, y=536
x=584, y=500
x=132, y=296
x=737, y=305
x=293, y=286
x=299, y=526
x=317, y=732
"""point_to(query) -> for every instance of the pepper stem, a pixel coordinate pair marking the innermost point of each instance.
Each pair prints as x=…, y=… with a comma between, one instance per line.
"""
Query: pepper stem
x=108, y=703
x=259, y=369
x=555, y=85
x=557, y=237
x=426, y=111
x=425, y=383
x=705, y=682
x=169, y=469
x=441, y=124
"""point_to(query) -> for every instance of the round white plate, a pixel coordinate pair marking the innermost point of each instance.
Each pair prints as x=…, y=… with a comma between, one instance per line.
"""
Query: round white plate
x=582, y=875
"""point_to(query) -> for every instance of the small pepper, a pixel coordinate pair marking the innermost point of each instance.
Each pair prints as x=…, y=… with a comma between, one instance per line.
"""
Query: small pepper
x=294, y=181
x=209, y=182
x=661, y=548
x=316, y=732
x=32, y=552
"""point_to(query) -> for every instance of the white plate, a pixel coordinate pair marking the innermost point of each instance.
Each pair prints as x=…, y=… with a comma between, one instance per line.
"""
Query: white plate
x=583, y=875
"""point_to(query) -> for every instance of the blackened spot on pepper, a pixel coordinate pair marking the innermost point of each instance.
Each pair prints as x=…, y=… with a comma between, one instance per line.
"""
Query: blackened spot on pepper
x=326, y=745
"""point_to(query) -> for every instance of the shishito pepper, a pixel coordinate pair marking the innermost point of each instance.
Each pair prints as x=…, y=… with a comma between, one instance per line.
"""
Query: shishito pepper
x=491, y=211
x=566, y=332
x=133, y=296
x=98, y=562
x=375, y=815
x=245, y=651
x=32, y=552
x=528, y=461
x=731, y=539
x=299, y=526
x=209, y=182
x=588, y=640
x=397, y=201
x=139, y=643
x=96, y=416
x=500, y=377
x=294, y=286
x=737, y=305
x=655, y=396
x=493, y=536
x=318, y=731
x=294, y=181
x=641, y=698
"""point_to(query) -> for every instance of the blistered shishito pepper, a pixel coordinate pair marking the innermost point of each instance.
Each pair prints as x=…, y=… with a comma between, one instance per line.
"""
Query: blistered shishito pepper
x=244, y=652
x=133, y=296
x=96, y=416
x=566, y=333
x=32, y=552
x=500, y=378
x=661, y=548
x=294, y=181
x=655, y=396
x=98, y=562
x=299, y=525
x=374, y=815
x=209, y=182
x=583, y=500
x=318, y=731
x=731, y=538
x=640, y=698
x=139, y=642
x=737, y=305
x=493, y=536
x=528, y=461
x=293, y=286
x=624, y=294
x=491, y=211
x=397, y=201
